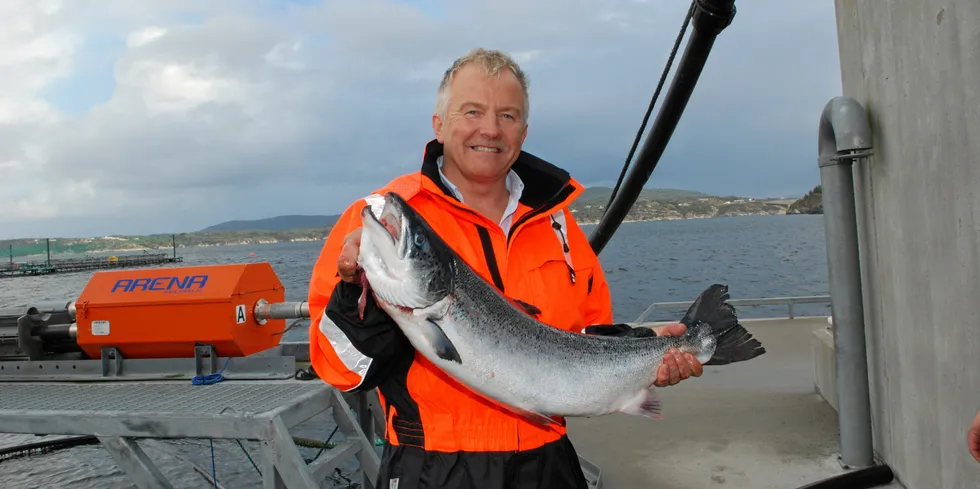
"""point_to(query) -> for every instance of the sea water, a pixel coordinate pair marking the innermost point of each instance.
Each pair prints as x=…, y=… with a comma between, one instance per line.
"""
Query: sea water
x=660, y=261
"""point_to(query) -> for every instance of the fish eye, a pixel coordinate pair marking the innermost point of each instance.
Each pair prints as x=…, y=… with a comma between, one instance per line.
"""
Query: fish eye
x=419, y=240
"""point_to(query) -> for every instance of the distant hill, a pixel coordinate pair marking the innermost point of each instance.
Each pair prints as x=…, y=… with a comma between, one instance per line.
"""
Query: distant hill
x=655, y=204
x=279, y=223
x=811, y=203
x=591, y=201
x=591, y=196
x=600, y=195
x=652, y=204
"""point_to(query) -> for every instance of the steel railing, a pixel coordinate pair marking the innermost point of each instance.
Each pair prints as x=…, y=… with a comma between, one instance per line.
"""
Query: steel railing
x=789, y=302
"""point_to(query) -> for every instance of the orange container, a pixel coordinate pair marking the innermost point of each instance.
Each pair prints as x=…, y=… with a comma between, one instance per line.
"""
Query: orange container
x=166, y=312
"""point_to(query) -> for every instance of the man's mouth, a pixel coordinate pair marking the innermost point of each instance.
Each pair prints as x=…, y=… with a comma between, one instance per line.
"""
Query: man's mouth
x=485, y=149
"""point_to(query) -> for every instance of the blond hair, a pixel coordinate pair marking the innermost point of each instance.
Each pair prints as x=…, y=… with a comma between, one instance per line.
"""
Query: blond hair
x=492, y=62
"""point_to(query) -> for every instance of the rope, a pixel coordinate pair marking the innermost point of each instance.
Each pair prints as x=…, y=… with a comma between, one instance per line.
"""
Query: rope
x=325, y=445
x=305, y=374
x=301, y=374
x=249, y=457
x=214, y=475
x=211, y=378
x=653, y=101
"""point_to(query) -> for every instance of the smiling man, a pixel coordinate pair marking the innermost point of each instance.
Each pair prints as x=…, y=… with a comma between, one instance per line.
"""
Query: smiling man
x=482, y=128
x=506, y=213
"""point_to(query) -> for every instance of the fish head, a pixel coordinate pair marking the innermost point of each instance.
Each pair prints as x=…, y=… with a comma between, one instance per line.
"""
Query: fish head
x=407, y=265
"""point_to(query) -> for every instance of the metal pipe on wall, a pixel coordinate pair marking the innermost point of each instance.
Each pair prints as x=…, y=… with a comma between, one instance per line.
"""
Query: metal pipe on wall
x=845, y=135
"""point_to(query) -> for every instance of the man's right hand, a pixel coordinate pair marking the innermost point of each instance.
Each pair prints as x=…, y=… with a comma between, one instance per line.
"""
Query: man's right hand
x=347, y=261
x=676, y=366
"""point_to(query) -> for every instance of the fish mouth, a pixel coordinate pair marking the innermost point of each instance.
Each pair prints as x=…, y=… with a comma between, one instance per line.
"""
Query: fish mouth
x=384, y=256
x=394, y=225
x=391, y=224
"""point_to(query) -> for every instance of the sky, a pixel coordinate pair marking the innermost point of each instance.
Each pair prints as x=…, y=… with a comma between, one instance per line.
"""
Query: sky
x=161, y=116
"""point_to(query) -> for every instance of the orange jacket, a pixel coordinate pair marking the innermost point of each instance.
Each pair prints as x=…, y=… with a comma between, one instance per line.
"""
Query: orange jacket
x=543, y=262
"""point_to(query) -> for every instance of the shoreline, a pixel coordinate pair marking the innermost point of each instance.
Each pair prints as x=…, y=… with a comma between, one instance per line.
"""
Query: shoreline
x=169, y=250
x=692, y=218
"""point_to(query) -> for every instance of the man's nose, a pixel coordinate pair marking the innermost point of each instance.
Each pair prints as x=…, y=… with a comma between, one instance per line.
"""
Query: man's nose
x=490, y=126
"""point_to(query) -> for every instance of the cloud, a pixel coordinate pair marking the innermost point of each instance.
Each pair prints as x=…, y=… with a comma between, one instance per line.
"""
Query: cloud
x=162, y=115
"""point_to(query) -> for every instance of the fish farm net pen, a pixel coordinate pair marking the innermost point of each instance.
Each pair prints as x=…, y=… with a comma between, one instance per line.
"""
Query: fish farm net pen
x=45, y=447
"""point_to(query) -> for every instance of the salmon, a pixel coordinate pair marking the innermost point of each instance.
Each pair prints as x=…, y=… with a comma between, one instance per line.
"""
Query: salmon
x=464, y=325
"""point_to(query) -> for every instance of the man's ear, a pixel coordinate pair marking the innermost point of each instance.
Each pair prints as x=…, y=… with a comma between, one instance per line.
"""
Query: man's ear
x=437, y=127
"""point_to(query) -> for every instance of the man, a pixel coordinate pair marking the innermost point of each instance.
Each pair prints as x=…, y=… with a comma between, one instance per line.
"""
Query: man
x=505, y=212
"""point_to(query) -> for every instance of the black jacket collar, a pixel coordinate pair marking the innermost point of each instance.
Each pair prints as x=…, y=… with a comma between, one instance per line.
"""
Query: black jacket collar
x=543, y=182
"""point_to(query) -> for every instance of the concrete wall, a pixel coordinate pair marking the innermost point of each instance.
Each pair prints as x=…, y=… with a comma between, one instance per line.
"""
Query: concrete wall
x=915, y=66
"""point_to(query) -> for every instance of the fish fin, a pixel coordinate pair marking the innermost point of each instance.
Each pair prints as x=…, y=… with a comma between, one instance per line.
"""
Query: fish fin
x=441, y=344
x=711, y=311
x=711, y=307
x=735, y=345
x=649, y=405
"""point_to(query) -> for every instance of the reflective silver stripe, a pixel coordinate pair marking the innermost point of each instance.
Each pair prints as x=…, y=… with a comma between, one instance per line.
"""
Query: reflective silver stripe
x=352, y=358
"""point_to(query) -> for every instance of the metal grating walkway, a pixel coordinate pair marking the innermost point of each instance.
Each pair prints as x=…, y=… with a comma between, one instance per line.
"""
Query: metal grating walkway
x=119, y=413
x=153, y=397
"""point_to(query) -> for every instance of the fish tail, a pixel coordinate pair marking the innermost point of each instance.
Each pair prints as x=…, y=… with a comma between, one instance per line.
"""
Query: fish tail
x=714, y=324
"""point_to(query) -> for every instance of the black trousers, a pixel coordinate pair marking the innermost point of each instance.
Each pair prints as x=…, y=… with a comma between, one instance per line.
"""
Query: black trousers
x=552, y=466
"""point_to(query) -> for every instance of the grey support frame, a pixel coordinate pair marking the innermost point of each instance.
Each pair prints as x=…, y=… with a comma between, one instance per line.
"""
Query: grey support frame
x=120, y=413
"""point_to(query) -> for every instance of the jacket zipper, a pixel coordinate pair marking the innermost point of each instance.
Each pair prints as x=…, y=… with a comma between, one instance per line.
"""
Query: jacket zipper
x=487, y=243
x=550, y=203
x=490, y=256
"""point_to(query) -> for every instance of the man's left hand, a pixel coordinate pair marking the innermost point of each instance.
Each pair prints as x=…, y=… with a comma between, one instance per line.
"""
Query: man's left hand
x=676, y=366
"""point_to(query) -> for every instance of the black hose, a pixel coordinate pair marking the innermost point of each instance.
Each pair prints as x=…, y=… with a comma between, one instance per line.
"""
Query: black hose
x=709, y=18
x=46, y=446
x=874, y=476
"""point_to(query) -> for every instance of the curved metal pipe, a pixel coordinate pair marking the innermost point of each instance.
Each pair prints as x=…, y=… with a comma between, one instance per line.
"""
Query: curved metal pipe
x=710, y=17
x=844, y=131
x=844, y=134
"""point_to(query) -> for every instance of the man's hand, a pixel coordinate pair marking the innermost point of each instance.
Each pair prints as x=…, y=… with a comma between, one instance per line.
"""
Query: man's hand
x=675, y=329
x=676, y=366
x=973, y=437
x=347, y=261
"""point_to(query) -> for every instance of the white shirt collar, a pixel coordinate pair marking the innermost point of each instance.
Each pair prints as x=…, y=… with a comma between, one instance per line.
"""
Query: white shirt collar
x=514, y=186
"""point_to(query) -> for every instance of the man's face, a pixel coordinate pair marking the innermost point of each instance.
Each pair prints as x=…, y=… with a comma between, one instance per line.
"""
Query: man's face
x=485, y=124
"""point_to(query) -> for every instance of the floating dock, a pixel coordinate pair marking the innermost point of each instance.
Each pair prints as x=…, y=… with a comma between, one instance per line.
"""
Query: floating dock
x=90, y=263
x=70, y=265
